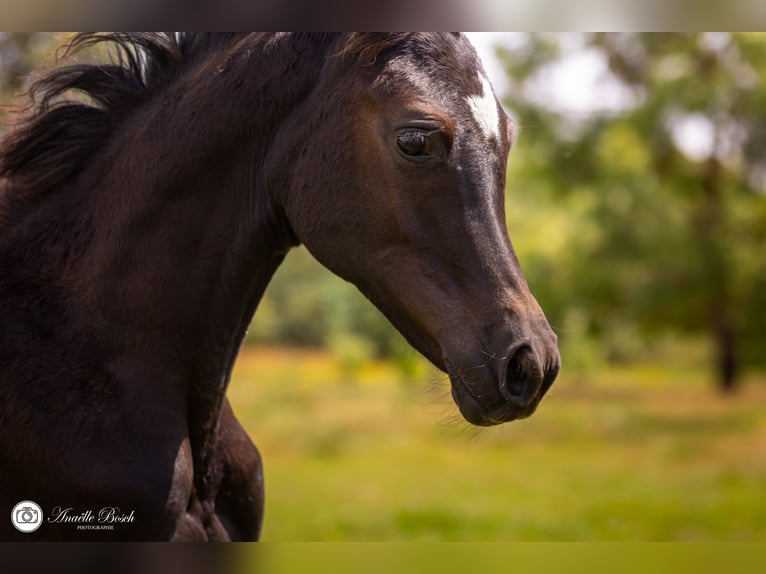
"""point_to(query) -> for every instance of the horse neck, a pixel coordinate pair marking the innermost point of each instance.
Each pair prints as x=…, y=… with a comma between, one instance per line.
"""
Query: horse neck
x=182, y=236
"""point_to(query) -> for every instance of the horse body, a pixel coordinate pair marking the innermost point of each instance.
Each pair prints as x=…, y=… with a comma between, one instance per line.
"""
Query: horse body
x=129, y=274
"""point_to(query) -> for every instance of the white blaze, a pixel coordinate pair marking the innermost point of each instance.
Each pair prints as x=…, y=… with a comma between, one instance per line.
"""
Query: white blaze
x=484, y=109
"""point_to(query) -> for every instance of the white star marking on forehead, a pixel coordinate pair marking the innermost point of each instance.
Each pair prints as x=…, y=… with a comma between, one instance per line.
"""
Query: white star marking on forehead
x=484, y=109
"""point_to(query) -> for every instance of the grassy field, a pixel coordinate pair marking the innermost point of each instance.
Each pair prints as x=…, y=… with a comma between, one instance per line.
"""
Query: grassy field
x=642, y=453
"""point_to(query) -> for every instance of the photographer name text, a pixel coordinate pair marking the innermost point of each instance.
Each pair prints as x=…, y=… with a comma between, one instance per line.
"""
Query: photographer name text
x=107, y=515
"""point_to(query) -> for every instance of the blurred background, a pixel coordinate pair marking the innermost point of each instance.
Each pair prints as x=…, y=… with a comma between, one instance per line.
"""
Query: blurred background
x=636, y=202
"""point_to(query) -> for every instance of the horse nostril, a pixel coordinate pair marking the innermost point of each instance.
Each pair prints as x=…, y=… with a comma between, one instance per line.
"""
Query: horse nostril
x=521, y=377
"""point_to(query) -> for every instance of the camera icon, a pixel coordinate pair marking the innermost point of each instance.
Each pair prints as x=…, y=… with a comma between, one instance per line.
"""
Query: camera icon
x=27, y=516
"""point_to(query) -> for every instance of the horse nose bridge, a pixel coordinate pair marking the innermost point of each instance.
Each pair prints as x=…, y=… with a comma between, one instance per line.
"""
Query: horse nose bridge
x=515, y=307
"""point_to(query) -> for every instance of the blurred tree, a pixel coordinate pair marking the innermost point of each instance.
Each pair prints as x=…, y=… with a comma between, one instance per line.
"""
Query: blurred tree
x=20, y=54
x=665, y=191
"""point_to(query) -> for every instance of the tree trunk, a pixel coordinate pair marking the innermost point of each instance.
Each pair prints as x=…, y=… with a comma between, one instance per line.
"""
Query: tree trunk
x=725, y=339
x=711, y=228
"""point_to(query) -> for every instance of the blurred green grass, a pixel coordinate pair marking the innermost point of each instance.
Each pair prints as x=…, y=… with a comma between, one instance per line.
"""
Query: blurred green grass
x=630, y=454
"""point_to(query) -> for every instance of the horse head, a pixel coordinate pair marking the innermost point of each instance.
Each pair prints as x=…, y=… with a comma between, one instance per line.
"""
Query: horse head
x=398, y=186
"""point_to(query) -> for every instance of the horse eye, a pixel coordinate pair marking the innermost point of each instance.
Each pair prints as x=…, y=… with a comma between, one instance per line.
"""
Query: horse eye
x=414, y=144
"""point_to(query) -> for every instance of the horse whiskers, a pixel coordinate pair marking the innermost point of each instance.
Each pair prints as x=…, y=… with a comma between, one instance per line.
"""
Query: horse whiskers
x=454, y=425
x=491, y=357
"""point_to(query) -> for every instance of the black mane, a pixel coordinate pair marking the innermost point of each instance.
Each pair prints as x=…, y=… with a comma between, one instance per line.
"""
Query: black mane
x=73, y=109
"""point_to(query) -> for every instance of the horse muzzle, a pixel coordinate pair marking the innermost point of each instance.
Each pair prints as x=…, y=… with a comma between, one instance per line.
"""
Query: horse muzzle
x=505, y=388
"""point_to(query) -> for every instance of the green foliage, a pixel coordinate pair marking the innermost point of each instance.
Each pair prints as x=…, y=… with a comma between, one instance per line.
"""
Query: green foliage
x=620, y=227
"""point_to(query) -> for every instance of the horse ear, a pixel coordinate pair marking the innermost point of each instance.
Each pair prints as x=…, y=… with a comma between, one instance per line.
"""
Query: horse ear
x=366, y=46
